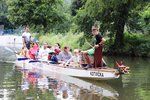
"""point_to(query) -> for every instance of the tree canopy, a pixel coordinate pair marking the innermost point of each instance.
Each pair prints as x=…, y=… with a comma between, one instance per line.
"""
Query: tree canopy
x=44, y=15
x=117, y=18
x=113, y=16
x=3, y=15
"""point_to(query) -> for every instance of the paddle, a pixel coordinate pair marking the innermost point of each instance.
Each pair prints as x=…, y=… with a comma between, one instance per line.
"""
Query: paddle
x=9, y=49
x=7, y=61
x=13, y=51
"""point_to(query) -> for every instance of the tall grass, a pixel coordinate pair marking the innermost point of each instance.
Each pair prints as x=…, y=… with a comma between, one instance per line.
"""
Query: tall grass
x=68, y=39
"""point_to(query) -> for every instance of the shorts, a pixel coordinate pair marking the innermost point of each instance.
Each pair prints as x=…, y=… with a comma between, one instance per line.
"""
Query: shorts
x=91, y=51
x=28, y=45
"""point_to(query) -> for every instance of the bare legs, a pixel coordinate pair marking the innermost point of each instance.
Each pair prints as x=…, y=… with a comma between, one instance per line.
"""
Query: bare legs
x=86, y=56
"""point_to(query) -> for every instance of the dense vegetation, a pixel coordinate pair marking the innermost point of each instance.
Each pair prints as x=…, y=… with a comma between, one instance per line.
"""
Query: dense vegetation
x=125, y=23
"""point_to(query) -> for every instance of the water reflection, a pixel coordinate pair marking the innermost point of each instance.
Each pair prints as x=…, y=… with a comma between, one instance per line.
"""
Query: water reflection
x=136, y=85
x=69, y=91
x=34, y=85
x=64, y=87
x=62, y=90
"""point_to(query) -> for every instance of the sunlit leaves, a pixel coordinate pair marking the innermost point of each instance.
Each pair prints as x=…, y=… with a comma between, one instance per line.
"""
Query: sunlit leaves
x=45, y=13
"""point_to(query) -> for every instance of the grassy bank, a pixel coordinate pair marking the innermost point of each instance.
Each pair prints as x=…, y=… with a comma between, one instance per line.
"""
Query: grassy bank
x=134, y=44
x=68, y=39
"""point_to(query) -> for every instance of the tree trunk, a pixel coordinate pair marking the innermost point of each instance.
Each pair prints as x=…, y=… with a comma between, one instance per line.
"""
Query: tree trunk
x=121, y=18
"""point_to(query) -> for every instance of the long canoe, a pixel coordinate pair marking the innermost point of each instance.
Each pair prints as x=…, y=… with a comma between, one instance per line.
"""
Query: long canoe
x=91, y=73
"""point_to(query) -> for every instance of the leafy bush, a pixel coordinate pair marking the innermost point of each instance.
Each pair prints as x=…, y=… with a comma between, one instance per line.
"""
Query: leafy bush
x=135, y=45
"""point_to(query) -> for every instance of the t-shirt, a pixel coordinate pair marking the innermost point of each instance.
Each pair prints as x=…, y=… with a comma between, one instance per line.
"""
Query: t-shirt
x=26, y=36
x=98, y=38
x=43, y=53
x=63, y=56
x=75, y=59
x=34, y=49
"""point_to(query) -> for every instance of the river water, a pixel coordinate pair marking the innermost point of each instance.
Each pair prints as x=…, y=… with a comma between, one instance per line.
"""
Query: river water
x=44, y=86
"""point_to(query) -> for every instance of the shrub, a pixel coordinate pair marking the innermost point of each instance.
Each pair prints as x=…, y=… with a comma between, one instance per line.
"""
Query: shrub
x=135, y=45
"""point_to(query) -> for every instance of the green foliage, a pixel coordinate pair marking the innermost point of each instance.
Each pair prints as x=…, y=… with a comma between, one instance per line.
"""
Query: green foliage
x=84, y=22
x=76, y=5
x=135, y=45
x=113, y=15
x=145, y=17
x=3, y=8
x=68, y=39
x=46, y=15
x=139, y=19
x=54, y=16
x=3, y=15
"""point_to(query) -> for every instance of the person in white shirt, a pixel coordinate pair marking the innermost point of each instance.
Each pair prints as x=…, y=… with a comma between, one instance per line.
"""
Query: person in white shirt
x=42, y=83
x=65, y=93
x=43, y=52
x=26, y=38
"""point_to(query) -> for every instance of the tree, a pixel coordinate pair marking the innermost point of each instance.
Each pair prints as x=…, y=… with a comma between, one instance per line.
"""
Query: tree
x=76, y=4
x=112, y=14
x=41, y=14
x=3, y=15
x=139, y=19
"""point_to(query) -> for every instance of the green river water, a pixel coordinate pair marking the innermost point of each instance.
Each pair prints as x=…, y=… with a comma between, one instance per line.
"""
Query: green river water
x=133, y=86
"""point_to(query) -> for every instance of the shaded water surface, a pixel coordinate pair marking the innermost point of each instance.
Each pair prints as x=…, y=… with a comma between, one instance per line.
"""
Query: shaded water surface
x=21, y=84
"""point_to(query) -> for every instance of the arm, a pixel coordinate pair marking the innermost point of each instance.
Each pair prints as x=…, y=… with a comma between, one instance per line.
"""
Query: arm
x=71, y=59
x=59, y=57
x=23, y=41
x=30, y=38
x=102, y=42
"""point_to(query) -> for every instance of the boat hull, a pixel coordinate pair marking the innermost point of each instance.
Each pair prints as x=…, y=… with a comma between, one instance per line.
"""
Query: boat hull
x=96, y=74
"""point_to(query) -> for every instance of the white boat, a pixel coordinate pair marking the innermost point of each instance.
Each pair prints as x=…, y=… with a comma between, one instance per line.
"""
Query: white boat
x=102, y=90
x=91, y=73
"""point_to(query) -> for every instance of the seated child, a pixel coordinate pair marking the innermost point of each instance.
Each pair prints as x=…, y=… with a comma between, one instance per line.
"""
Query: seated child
x=53, y=57
x=75, y=60
x=33, y=51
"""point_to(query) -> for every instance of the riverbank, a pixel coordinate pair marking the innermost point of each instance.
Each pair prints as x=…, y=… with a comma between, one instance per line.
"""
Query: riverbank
x=135, y=45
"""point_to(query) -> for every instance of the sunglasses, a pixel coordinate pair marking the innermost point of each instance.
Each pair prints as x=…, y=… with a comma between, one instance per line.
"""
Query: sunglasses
x=94, y=30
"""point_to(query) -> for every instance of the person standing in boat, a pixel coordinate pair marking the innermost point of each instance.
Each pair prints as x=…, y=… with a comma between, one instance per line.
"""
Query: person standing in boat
x=96, y=51
x=26, y=38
